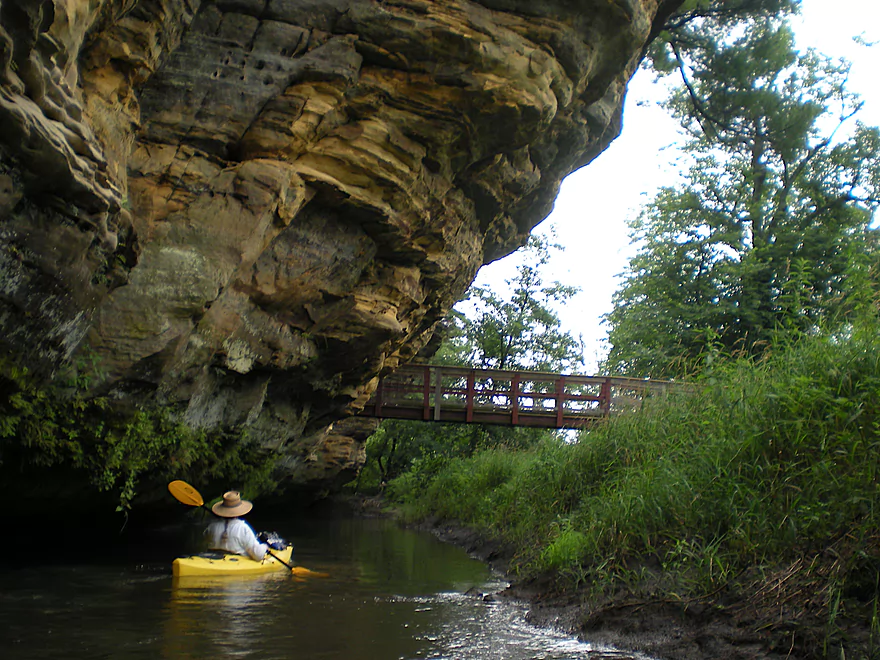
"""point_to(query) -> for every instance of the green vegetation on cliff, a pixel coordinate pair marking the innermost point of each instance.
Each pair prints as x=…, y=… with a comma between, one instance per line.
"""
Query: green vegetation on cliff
x=64, y=427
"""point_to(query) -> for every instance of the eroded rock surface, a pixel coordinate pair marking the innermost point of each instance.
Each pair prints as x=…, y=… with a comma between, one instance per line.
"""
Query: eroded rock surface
x=249, y=209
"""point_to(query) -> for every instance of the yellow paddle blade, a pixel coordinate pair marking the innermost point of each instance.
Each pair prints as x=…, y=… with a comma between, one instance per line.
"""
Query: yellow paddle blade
x=302, y=571
x=185, y=493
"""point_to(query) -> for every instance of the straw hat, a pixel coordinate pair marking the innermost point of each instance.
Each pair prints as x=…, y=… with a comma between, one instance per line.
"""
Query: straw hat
x=232, y=505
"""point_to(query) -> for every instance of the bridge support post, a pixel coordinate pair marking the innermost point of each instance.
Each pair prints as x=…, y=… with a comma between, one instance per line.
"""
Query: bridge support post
x=560, y=401
x=514, y=399
x=469, y=400
x=426, y=394
x=438, y=393
x=605, y=395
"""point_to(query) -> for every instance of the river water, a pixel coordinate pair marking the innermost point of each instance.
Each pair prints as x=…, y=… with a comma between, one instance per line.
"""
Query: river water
x=389, y=593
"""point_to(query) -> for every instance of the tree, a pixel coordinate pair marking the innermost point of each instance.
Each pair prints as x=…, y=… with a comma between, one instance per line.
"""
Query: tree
x=695, y=22
x=518, y=331
x=521, y=331
x=775, y=211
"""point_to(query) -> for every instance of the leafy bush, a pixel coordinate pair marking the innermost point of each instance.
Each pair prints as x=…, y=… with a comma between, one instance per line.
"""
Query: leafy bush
x=53, y=425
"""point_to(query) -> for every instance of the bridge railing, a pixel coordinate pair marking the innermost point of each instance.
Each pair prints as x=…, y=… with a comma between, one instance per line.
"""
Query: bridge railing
x=492, y=396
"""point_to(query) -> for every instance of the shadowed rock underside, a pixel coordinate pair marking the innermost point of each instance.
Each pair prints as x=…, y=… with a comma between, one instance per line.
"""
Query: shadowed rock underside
x=248, y=210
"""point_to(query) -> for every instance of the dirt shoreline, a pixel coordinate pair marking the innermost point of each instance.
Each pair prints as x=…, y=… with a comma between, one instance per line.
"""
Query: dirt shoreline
x=662, y=628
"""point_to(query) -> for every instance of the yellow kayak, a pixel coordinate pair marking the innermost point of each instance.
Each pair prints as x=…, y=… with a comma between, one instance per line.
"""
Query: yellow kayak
x=230, y=564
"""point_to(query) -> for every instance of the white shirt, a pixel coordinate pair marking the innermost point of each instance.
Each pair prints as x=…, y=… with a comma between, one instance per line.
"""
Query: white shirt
x=236, y=536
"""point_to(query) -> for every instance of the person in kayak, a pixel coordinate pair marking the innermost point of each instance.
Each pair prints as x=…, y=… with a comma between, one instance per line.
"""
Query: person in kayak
x=233, y=534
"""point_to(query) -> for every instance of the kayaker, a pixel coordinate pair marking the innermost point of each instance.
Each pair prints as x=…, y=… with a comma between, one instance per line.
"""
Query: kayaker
x=233, y=534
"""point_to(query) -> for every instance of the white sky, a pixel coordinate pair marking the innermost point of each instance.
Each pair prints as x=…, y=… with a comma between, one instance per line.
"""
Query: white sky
x=594, y=203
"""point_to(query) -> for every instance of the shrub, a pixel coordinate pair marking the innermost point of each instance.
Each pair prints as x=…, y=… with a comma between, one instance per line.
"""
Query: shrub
x=49, y=425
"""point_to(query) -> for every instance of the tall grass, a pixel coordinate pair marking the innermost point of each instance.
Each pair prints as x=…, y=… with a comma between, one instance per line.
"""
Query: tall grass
x=768, y=462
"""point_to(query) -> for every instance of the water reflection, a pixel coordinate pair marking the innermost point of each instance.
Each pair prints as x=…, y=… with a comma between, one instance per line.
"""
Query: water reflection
x=463, y=629
x=390, y=594
x=219, y=616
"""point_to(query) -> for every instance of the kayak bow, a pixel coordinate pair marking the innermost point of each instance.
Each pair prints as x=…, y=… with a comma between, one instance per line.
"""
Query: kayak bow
x=230, y=564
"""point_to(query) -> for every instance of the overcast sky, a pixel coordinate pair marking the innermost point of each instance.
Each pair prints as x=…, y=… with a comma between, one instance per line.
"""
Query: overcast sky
x=590, y=214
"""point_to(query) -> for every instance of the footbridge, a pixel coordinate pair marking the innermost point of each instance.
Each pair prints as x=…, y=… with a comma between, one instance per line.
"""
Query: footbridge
x=434, y=393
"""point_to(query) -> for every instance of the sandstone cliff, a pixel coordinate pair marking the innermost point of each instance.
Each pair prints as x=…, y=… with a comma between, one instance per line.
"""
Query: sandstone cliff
x=249, y=209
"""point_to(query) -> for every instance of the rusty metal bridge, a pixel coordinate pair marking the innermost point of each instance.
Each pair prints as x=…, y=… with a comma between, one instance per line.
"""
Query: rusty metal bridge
x=510, y=398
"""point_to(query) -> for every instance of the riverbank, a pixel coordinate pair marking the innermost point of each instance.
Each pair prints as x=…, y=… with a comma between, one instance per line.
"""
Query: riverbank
x=737, y=519
x=769, y=616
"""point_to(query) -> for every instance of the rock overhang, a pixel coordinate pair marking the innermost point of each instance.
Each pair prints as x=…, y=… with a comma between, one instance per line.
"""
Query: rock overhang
x=249, y=209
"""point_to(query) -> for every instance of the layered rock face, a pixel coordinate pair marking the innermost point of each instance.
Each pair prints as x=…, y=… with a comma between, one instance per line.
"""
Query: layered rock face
x=250, y=209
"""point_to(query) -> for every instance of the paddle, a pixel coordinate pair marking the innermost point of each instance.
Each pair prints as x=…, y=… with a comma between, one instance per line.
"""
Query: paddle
x=188, y=495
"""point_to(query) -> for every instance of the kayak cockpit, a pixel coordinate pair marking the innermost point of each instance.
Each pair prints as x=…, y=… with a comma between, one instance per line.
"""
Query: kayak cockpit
x=217, y=562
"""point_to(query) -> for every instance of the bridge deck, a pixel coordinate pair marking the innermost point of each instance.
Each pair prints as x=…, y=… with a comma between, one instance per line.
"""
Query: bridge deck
x=510, y=398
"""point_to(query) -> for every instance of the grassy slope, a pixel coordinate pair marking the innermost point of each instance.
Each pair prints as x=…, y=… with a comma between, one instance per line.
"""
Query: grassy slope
x=761, y=488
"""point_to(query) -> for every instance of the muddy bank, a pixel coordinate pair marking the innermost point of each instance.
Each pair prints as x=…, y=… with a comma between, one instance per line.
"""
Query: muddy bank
x=759, y=617
x=661, y=628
